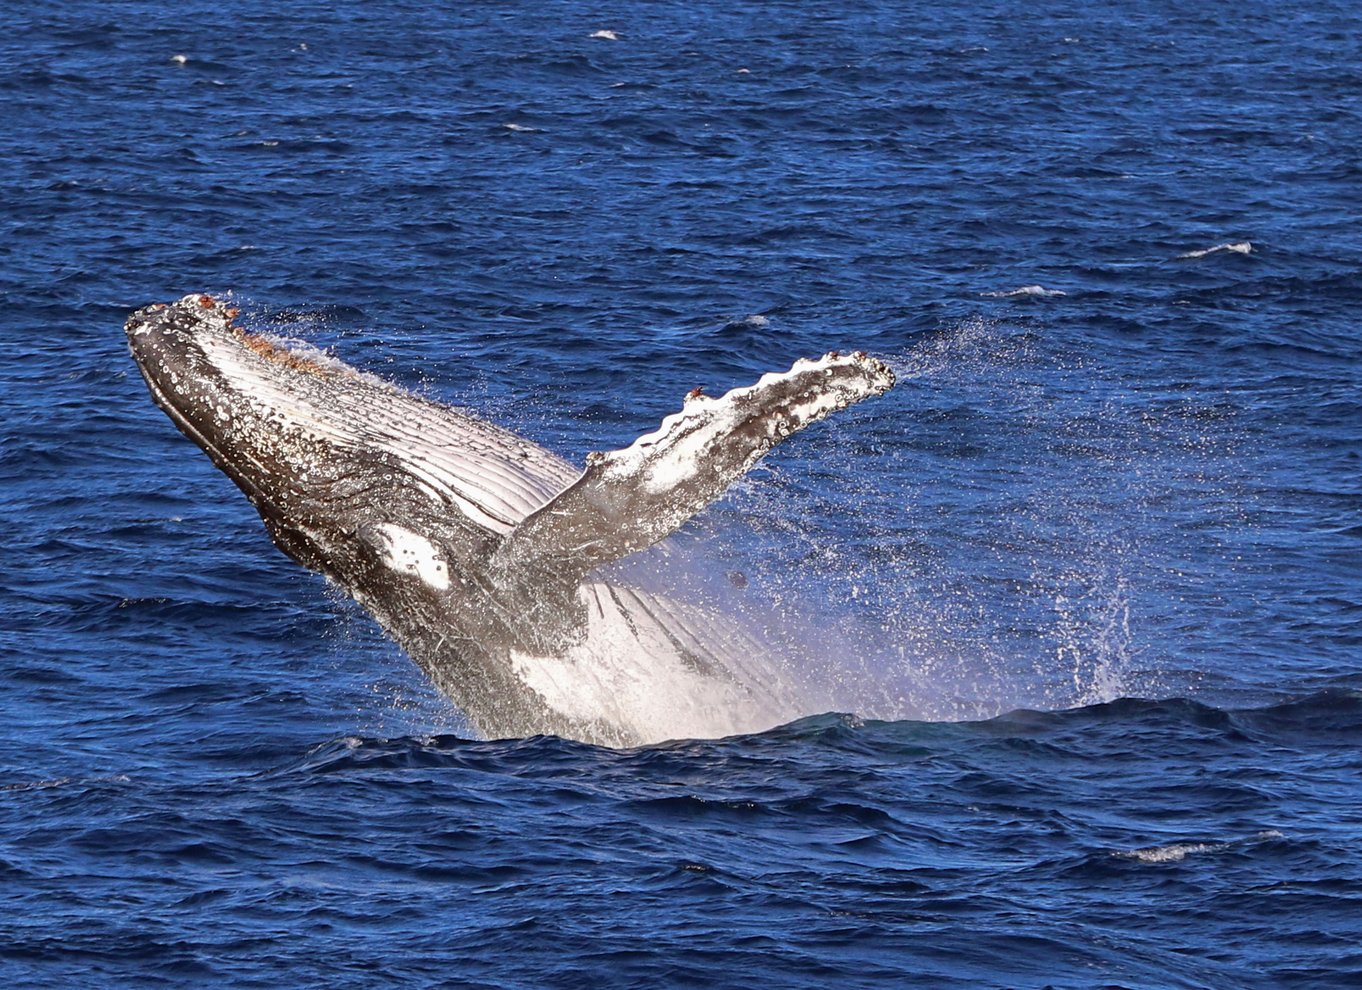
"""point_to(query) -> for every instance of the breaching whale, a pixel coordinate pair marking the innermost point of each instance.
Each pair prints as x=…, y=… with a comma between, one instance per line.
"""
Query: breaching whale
x=486, y=557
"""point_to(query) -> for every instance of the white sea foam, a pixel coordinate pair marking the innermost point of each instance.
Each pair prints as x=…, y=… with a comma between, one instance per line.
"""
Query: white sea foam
x=1038, y=291
x=179, y=59
x=1235, y=247
x=1176, y=852
x=1172, y=853
x=605, y=35
x=33, y=785
x=521, y=128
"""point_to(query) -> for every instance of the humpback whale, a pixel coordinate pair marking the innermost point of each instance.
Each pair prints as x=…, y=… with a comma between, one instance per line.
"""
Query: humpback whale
x=496, y=565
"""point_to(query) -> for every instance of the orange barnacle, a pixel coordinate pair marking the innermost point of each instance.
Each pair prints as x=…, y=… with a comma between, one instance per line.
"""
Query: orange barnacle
x=206, y=302
x=834, y=355
x=696, y=392
x=258, y=344
x=233, y=313
x=280, y=355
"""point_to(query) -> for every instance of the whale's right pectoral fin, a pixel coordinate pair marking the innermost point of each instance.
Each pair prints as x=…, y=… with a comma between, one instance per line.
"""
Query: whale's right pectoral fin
x=629, y=499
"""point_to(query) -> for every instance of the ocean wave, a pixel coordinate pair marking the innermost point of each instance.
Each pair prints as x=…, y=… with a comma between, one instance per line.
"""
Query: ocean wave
x=1235, y=247
x=43, y=785
x=1026, y=291
x=304, y=809
x=1176, y=852
x=1336, y=713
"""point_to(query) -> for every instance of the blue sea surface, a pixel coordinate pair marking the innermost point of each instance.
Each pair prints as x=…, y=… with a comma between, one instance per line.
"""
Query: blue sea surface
x=1086, y=586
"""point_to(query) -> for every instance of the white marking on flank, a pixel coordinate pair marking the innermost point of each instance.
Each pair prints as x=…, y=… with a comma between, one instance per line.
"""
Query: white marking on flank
x=410, y=553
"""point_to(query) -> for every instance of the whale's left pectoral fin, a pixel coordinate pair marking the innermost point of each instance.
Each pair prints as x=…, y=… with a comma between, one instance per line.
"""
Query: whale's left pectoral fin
x=629, y=499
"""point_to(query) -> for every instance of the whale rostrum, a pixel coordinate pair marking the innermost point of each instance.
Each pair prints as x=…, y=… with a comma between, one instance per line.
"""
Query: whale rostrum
x=485, y=556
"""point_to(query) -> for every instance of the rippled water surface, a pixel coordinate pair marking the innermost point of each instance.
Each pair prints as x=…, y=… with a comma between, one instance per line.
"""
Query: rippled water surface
x=1088, y=582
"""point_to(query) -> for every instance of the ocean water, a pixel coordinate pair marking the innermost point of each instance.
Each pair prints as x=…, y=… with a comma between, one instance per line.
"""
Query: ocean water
x=1084, y=592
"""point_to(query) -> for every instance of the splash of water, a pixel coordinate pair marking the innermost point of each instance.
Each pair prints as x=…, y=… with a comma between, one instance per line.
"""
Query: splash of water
x=1012, y=541
x=1002, y=540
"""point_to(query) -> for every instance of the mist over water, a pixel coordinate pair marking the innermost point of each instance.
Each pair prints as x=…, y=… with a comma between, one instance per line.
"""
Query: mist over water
x=1016, y=538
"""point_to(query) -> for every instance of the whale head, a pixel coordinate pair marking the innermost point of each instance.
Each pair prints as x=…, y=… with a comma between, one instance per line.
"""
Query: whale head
x=230, y=393
x=346, y=470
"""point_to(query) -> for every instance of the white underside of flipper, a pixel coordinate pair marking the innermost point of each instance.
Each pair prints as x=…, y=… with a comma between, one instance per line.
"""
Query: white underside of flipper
x=628, y=499
x=684, y=446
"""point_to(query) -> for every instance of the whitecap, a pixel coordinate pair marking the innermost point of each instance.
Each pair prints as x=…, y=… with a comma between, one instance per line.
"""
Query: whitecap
x=605, y=35
x=1237, y=247
x=521, y=128
x=1176, y=852
x=179, y=59
x=33, y=785
x=1038, y=291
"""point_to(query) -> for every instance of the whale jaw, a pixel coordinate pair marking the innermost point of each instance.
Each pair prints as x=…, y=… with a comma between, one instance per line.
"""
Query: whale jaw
x=479, y=551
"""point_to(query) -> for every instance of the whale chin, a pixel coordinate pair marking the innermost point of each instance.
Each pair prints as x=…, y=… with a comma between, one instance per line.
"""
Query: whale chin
x=480, y=552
